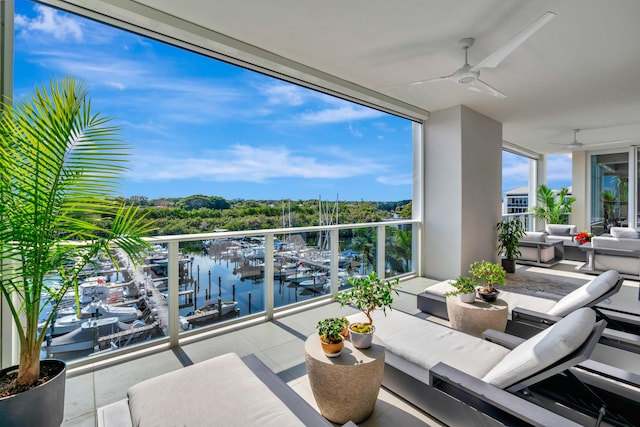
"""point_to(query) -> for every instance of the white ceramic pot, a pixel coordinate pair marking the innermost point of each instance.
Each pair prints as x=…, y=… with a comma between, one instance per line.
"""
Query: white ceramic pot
x=468, y=298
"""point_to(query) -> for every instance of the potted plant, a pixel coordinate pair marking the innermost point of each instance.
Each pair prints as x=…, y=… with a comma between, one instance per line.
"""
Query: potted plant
x=330, y=331
x=490, y=274
x=509, y=234
x=367, y=293
x=59, y=167
x=465, y=289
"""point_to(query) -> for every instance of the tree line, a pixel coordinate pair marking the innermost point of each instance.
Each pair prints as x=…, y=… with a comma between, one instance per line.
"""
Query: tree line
x=202, y=214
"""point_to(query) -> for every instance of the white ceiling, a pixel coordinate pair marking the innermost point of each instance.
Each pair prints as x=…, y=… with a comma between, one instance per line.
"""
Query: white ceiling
x=579, y=71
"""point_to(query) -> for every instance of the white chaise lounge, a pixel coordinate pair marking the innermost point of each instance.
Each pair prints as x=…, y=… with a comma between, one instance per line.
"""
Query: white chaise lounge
x=464, y=380
x=226, y=390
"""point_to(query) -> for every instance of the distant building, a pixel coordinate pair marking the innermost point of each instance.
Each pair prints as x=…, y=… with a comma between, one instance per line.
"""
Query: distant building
x=517, y=200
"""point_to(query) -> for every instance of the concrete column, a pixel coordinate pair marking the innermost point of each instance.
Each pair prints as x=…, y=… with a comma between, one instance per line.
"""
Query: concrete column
x=462, y=191
x=579, y=189
x=9, y=345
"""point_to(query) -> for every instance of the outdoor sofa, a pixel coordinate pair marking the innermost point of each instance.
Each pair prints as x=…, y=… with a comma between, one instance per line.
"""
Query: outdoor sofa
x=536, y=248
x=225, y=390
x=619, y=251
x=464, y=380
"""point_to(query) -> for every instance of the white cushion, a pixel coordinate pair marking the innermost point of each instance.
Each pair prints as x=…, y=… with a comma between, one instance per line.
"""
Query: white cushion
x=543, y=349
x=624, y=232
x=441, y=288
x=585, y=294
x=560, y=229
x=208, y=393
x=425, y=343
x=530, y=302
x=534, y=236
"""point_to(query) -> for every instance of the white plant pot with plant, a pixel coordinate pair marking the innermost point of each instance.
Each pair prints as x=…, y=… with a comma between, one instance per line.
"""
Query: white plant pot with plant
x=367, y=294
x=465, y=289
x=59, y=168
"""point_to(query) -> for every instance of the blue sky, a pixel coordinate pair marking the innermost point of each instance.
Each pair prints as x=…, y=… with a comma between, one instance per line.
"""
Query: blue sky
x=200, y=126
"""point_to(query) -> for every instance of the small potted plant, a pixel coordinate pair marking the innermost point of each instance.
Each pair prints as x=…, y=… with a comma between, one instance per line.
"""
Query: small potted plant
x=509, y=235
x=331, y=338
x=490, y=274
x=465, y=289
x=367, y=294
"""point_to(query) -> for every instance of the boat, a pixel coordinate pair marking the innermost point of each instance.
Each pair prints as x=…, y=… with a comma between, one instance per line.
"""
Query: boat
x=317, y=280
x=211, y=304
x=86, y=336
x=65, y=324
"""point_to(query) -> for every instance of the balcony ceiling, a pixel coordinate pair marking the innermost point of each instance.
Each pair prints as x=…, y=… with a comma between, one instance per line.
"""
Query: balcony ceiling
x=579, y=71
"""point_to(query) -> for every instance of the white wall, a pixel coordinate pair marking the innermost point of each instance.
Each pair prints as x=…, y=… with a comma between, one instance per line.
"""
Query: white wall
x=462, y=195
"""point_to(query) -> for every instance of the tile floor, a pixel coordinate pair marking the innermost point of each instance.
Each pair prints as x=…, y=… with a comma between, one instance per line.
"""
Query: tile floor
x=279, y=344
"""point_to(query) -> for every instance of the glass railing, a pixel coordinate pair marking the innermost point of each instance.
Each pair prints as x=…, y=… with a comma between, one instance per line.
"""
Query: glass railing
x=198, y=283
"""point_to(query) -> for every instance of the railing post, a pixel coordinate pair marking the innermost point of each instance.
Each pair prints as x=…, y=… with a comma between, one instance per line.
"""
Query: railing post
x=268, y=276
x=173, y=283
x=380, y=263
x=335, y=249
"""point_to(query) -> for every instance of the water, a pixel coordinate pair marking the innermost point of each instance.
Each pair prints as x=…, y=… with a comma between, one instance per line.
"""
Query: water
x=222, y=271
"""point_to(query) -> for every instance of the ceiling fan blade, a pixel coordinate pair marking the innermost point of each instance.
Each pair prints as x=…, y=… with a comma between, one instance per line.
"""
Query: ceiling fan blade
x=503, y=51
x=618, y=141
x=482, y=87
x=436, y=79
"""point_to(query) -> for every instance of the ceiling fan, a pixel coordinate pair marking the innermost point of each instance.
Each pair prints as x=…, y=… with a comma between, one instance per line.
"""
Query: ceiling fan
x=576, y=145
x=469, y=75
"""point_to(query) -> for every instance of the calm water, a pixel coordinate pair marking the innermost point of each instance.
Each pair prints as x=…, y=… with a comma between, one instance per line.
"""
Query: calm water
x=222, y=272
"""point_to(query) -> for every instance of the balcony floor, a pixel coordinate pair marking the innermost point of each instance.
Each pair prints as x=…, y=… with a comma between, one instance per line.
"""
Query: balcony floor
x=279, y=344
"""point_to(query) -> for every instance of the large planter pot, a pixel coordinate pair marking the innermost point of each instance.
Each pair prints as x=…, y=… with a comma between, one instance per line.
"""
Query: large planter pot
x=360, y=340
x=509, y=265
x=41, y=406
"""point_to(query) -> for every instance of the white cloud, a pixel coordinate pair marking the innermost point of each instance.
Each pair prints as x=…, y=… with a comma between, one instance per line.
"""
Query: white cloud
x=401, y=179
x=250, y=164
x=283, y=93
x=343, y=113
x=559, y=168
x=354, y=132
x=50, y=22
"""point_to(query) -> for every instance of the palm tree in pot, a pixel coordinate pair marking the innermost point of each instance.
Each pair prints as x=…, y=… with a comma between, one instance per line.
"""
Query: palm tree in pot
x=60, y=166
x=509, y=234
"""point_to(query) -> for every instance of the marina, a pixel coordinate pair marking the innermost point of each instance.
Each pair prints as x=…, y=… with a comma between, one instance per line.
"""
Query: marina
x=222, y=281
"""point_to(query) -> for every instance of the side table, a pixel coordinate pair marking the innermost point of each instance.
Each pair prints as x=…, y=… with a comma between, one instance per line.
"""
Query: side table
x=345, y=387
x=476, y=318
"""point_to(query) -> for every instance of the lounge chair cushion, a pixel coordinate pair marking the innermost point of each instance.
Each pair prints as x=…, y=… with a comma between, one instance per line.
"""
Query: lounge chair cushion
x=543, y=349
x=624, y=232
x=425, y=343
x=585, y=294
x=236, y=398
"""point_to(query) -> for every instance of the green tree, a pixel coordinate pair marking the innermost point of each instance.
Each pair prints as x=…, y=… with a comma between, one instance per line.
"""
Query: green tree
x=60, y=165
x=553, y=208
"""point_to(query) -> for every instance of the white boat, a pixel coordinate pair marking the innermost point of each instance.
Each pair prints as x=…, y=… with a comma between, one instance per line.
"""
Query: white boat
x=65, y=324
x=211, y=304
x=85, y=336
